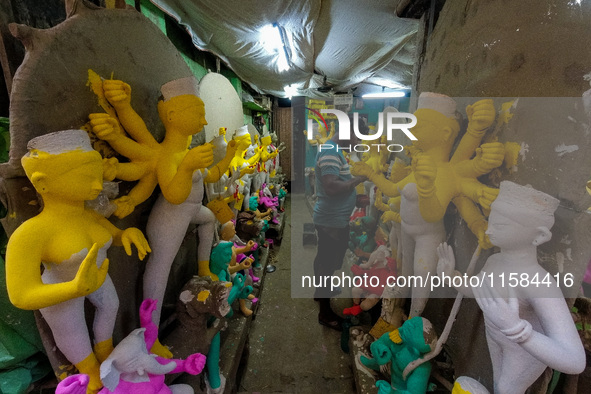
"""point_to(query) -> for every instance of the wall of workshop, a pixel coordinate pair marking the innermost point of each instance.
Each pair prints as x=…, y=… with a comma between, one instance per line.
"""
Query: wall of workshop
x=537, y=51
x=199, y=62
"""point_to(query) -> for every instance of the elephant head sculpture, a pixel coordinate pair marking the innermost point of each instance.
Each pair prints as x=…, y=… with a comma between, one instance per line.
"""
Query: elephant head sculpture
x=415, y=338
x=131, y=369
x=131, y=362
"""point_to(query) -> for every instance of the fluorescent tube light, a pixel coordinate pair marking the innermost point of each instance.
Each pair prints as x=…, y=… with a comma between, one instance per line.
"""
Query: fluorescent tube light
x=383, y=95
x=273, y=42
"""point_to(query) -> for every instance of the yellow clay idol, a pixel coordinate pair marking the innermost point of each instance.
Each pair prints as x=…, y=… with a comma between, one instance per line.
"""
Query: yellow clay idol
x=244, y=166
x=179, y=171
x=71, y=242
x=436, y=180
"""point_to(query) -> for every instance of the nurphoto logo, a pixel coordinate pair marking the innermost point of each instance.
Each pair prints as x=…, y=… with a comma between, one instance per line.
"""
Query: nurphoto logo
x=345, y=129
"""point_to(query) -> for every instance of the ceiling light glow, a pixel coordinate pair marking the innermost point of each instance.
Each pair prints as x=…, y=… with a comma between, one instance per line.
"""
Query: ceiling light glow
x=273, y=44
x=291, y=90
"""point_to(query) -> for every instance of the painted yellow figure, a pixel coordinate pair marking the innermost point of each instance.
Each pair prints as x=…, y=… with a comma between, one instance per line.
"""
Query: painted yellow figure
x=391, y=209
x=266, y=142
x=246, y=167
x=265, y=163
x=377, y=156
x=467, y=385
x=71, y=242
x=436, y=180
x=179, y=171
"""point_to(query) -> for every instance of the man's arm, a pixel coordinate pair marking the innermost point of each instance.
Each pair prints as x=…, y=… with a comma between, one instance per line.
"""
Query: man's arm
x=334, y=186
x=389, y=188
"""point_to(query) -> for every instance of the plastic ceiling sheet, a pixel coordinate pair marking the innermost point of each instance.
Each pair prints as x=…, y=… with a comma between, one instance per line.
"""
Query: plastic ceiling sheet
x=330, y=43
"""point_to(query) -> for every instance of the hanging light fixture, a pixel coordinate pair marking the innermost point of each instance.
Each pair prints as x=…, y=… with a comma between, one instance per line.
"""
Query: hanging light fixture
x=397, y=93
x=273, y=42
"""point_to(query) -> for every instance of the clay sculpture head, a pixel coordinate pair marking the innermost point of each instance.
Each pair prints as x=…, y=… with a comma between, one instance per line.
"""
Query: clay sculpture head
x=131, y=362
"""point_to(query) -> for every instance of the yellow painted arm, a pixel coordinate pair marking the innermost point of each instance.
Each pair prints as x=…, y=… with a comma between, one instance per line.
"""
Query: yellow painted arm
x=488, y=157
x=107, y=129
x=375, y=163
x=135, y=126
x=23, y=279
x=140, y=193
x=220, y=168
x=131, y=171
x=379, y=204
x=175, y=181
x=481, y=115
x=399, y=170
x=253, y=160
x=246, y=170
x=265, y=156
x=478, y=192
x=118, y=93
x=110, y=227
x=388, y=188
x=474, y=219
x=391, y=216
x=126, y=238
x=394, y=203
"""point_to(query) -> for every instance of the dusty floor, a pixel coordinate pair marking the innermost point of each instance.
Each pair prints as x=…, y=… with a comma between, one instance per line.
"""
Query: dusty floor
x=289, y=351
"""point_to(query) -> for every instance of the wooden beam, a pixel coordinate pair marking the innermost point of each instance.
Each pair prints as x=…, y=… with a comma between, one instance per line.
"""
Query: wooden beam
x=11, y=51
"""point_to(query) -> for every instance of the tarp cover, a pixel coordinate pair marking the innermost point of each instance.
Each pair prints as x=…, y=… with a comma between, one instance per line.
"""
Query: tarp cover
x=346, y=41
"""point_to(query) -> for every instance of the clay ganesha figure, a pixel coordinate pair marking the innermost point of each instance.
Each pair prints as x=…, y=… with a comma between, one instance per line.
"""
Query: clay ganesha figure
x=413, y=340
x=71, y=243
x=131, y=369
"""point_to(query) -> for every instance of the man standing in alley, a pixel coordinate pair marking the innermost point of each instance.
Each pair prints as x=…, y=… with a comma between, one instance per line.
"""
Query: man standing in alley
x=336, y=196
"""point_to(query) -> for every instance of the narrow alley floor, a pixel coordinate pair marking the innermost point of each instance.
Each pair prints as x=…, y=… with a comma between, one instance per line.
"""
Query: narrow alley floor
x=289, y=352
